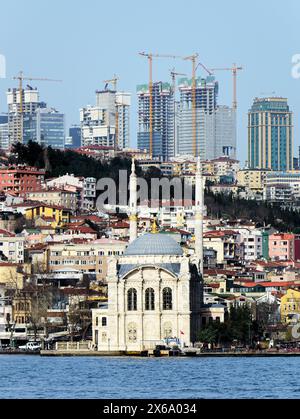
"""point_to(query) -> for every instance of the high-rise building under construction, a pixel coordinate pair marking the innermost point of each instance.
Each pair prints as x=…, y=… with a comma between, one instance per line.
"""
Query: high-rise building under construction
x=36, y=122
x=163, y=120
x=215, y=125
x=108, y=122
x=172, y=121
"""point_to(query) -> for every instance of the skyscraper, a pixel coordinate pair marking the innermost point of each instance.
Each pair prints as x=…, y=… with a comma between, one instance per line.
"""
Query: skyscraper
x=30, y=102
x=73, y=140
x=46, y=126
x=98, y=123
x=215, y=125
x=162, y=119
x=4, y=132
x=270, y=134
x=123, y=102
x=36, y=122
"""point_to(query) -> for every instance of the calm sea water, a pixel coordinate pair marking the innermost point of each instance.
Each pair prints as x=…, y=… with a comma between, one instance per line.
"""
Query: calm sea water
x=175, y=378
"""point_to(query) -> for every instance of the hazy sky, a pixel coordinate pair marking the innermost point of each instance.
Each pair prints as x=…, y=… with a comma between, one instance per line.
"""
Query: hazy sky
x=85, y=42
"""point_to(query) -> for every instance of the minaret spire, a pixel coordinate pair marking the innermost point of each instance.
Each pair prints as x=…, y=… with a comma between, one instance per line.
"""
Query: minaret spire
x=133, y=203
x=199, y=207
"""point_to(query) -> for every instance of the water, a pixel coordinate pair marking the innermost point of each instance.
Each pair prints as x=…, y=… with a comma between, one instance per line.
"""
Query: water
x=174, y=378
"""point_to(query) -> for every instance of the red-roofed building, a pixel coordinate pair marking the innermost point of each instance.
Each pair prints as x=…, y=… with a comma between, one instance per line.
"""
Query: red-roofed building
x=20, y=180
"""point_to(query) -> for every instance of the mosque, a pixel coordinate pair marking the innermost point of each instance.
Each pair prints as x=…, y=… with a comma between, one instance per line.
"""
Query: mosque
x=154, y=289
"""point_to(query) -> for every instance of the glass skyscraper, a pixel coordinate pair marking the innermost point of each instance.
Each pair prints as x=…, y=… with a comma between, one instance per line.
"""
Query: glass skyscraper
x=270, y=134
x=45, y=126
x=162, y=119
x=215, y=124
x=4, y=144
x=74, y=138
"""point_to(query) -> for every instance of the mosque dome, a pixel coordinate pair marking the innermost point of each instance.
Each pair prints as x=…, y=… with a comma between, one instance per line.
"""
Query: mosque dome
x=153, y=244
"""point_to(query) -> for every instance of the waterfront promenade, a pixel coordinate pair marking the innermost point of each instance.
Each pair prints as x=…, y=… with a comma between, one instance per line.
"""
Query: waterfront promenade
x=217, y=354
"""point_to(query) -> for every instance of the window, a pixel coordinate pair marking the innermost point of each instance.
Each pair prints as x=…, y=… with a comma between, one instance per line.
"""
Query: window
x=167, y=299
x=132, y=299
x=149, y=299
x=104, y=321
x=96, y=321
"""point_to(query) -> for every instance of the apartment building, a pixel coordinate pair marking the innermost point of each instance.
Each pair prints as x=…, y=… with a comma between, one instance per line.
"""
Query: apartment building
x=225, y=243
x=60, y=215
x=251, y=242
x=11, y=247
x=281, y=246
x=21, y=179
x=86, y=257
x=60, y=197
x=84, y=187
x=252, y=179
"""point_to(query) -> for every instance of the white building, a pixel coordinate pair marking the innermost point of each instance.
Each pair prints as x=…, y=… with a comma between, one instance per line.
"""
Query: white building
x=11, y=247
x=154, y=290
x=251, y=241
x=282, y=186
x=101, y=124
x=149, y=297
x=88, y=186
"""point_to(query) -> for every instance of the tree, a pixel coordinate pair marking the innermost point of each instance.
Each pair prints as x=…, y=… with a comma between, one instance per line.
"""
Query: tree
x=209, y=334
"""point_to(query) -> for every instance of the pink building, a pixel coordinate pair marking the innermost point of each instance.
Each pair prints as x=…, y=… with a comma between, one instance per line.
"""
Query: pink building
x=281, y=246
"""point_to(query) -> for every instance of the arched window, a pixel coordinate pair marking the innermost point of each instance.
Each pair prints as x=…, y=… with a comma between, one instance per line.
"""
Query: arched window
x=132, y=299
x=149, y=299
x=167, y=299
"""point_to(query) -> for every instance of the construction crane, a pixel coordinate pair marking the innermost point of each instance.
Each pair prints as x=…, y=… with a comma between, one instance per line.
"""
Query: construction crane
x=114, y=84
x=205, y=68
x=173, y=76
x=150, y=57
x=21, y=77
x=193, y=59
x=234, y=69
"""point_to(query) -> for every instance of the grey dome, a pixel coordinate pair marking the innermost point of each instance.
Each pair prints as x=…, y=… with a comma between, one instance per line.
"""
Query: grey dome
x=153, y=244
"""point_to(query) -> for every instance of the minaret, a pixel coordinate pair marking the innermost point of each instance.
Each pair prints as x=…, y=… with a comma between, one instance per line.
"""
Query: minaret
x=199, y=207
x=133, y=203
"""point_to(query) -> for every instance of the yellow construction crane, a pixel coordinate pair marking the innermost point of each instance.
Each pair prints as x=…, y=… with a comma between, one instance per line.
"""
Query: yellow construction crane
x=234, y=69
x=21, y=77
x=150, y=57
x=173, y=76
x=193, y=59
x=114, y=84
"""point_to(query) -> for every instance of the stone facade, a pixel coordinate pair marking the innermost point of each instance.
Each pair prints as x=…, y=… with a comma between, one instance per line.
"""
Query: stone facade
x=142, y=311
